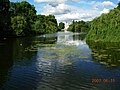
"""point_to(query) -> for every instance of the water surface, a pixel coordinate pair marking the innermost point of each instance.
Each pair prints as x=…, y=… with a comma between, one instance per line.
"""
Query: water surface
x=60, y=61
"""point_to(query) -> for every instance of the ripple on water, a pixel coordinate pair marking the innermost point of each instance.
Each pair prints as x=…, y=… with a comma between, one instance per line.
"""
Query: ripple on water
x=62, y=66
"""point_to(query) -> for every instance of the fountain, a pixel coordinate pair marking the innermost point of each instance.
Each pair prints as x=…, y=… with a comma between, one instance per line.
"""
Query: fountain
x=66, y=26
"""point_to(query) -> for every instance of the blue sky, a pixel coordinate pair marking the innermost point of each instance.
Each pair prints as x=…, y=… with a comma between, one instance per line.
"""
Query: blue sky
x=68, y=10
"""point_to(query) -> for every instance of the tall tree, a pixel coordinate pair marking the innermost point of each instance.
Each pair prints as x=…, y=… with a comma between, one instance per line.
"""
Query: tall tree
x=118, y=5
x=61, y=25
x=80, y=26
x=18, y=24
x=26, y=10
x=20, y=19
x=45, y=24
x=4, y=17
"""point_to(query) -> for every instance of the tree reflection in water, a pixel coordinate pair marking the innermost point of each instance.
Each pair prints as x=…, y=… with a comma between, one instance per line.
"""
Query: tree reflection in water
x=106, y=53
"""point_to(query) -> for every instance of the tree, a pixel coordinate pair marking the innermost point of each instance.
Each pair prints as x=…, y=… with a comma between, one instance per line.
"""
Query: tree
x=45, y=24
x=26, y=10
x=106, y=27
x=118, y=5
x=77, y=28
x=4, y=18
x=18, y=25
x=61, y=25
x=52, y=19
x=39, y=27
x=20, y=19
x=80, y=26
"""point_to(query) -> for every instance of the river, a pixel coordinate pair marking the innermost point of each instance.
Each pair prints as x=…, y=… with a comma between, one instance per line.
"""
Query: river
x=60, y=61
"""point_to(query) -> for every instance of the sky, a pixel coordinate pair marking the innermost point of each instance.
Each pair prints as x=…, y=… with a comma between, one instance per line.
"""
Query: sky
x=68, y=10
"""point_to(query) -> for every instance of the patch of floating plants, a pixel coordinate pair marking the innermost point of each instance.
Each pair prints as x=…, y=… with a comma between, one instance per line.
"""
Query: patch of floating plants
x=37, y=41
x=68, y=63
x=34, y=48
x=31, y=49
x=111, y=48
x=63, y=50
x=101, y=55
x=48, y=56
x=117, y=49
x=111, y=65
x=118, y=60
x=105, y=63
x=64, y=53
x=103, y=51
x=45, y=45
x=84, y=56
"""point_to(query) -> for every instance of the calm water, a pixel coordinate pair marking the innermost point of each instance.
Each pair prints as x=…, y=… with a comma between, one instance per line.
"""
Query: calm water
x=61, y=61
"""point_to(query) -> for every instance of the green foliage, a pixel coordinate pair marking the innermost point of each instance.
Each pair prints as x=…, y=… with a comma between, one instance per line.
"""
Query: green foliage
x=25, y=10
x=18, y=24
x=45, y=24
x=106, y=27
x=61, y=25
x=118, y=5
x=79, y=26
x=106, y=53
x=4, y=18
x=20, y=19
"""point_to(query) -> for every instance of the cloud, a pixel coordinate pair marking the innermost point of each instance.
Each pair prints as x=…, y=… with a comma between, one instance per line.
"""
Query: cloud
x=105, y=11
x=108, y=3
x=51, y=1
x=53, y=4
x=74, y=16
x=75, y=0
x=79, y=10
x=56, y=1
x=57, y=9
x=65, y=12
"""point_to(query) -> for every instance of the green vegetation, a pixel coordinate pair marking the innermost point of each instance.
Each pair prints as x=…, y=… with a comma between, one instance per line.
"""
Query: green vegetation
x=4, y=17
x=23, y=16
x=18, y=25
x=106, y=27
x=79, y=26
x=61, y=26
x=20, y=19
x=45, y=24
x=105, y=53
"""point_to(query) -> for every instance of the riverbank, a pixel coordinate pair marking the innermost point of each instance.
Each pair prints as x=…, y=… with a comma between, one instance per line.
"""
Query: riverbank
x=106, y=27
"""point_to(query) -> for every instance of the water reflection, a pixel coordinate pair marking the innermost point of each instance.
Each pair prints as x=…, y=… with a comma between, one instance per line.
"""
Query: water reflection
x=61, y=61
x=12, y=59
x=70, y=38
x=106, y=53
x=17, y=67
x=6, y=60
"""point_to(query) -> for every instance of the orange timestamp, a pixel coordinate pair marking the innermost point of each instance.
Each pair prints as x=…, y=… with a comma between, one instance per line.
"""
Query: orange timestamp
x=103, y=80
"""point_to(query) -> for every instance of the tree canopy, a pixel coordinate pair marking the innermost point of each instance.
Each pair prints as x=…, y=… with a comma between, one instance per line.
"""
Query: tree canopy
x=4, y=17
x=20, y=19
x=79, y=26
x=61, y=26
x=106, y=27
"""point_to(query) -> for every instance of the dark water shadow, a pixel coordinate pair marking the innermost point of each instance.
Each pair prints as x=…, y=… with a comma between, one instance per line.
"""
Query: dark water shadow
x=106, y=53
x=6, y=59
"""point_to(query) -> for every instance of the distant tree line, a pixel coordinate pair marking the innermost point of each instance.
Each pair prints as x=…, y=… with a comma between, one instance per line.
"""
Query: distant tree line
x=61, y=26
x=20, y=19
x=79, y=26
